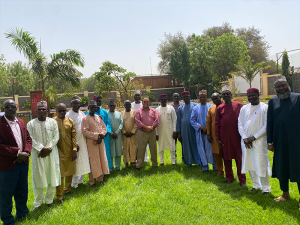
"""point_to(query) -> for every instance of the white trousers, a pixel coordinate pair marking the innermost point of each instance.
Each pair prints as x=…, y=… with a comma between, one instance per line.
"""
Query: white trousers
x=147, y=154
x=260, y=182
x=39, y=196
x=77, y=180
x=162, y=156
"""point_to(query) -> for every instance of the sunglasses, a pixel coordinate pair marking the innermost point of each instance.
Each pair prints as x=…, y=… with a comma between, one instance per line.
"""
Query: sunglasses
x=41, y=109
x=98, y=100
x=62, y=110
x=10, y=107
x=93, y=107
x=76, y=103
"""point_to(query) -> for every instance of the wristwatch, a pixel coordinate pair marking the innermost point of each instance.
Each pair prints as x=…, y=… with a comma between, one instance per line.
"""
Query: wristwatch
x=269, y=143
x=253, y=138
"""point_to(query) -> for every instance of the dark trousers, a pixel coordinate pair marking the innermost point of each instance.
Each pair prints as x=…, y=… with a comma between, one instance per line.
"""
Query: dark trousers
x=284, y=185
x=14, y=183
x=229, y=172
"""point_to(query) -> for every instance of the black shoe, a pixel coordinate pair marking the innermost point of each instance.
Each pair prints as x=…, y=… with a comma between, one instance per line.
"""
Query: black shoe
x=174, y=165
x=69, y=193
x=243, y=185
x=266, y=193
x=162, y=164
x=253, y=189
x=227, y=182
x=60, y=202
x=20, y=219
x=138, y=169
x=37, y=209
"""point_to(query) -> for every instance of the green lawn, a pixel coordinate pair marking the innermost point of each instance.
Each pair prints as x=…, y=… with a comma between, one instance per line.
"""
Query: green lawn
x=168, y=195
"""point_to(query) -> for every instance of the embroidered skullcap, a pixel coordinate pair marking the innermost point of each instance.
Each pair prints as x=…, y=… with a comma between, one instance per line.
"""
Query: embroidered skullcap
x=137, y=92
x=185, y=93
x=163, y=96
x=92, y=102
x=279, y=79
x=175, y=94
x=253, y=90
x=96, y=97
x=41, y=104
x=127, y=101
x=75, y=98
x=111, y=101
x=203, y=92
x=226, y=88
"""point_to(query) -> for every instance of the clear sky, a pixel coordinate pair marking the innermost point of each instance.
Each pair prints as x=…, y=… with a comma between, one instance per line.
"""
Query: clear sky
x=128, y=32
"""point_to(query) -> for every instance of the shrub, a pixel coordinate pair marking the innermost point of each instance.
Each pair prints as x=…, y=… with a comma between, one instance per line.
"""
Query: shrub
x=84, y=101
x=27, y=105
x=268, y=98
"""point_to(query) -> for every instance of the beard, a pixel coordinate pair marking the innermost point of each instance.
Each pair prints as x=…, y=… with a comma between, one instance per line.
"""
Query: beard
x=284, y=95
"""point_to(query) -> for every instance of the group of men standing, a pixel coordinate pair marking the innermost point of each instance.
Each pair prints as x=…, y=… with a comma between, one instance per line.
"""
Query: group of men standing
x=72, y=144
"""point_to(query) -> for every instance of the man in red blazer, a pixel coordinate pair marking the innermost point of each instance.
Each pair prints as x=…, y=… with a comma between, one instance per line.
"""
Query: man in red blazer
x=15, y=149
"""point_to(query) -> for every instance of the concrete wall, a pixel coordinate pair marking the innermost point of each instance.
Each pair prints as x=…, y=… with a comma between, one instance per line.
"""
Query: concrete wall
x=243, y=86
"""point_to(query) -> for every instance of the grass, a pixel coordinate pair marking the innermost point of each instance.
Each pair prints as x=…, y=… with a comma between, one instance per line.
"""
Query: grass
x=168, y=195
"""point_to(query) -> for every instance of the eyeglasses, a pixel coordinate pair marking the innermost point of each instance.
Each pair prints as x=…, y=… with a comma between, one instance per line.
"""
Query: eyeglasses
x=10, y=107
x=62, y=110
x=163, y=99
x=76, y=103
x=93, y=107
x=41, y=109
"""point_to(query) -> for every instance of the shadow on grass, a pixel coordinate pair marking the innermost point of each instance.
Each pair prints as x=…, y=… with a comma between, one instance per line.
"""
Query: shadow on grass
x=234, y=189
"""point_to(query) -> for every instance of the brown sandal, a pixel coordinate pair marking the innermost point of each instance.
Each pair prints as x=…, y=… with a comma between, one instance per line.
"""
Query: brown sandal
x=280, y=199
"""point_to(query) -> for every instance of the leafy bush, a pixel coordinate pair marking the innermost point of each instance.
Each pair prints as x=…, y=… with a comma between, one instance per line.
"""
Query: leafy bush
x=27, y=105
x=84, y=101
x=268, y=98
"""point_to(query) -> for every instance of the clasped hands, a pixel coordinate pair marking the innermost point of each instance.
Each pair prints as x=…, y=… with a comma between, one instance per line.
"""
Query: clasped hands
x=22, y=156
x=128, y=135
x=248, y=142
x=148, y=129
x=203, y=130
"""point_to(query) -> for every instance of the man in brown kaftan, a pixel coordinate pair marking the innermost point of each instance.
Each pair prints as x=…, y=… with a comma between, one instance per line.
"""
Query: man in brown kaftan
x=94, y=129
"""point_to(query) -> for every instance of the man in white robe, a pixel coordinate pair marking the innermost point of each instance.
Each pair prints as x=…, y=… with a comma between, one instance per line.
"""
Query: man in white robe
x=82, y=161
x=137, y=104
x=252, y=123
x=44, y=155
x=166, y=130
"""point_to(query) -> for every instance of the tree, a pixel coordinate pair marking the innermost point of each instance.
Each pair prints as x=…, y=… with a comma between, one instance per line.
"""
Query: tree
x=201, y=61
x=285, y=68
x=54, y=97
x=168, y=44
x=61, y=65
x=180, y=65
x=4, y=90
x=248, y=71
x=227, y=51
x=258, y=47
x=272, y=69
x=88, y=84
x=26, y=79
x=113, y=77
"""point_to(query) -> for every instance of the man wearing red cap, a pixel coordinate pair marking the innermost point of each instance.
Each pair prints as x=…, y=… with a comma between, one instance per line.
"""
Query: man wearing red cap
x=186, y=132
x=228, y=137
x=252, y=125
x=166, y=130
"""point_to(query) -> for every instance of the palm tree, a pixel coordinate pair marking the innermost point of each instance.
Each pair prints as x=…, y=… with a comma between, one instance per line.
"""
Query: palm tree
x=61, y=64
x=248, y=71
